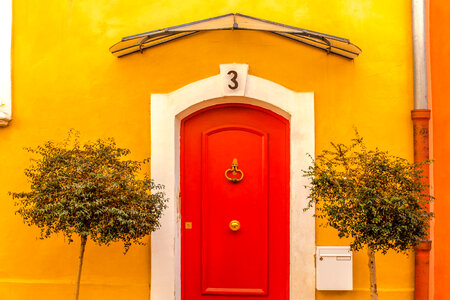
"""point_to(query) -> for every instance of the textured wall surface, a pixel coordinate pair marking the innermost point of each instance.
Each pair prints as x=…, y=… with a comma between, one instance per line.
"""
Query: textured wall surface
x=440, y=90
x=64, y=77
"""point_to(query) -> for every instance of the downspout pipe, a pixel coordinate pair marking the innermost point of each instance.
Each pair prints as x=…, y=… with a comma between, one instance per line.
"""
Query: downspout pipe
x=421, y=119
x=419, y=54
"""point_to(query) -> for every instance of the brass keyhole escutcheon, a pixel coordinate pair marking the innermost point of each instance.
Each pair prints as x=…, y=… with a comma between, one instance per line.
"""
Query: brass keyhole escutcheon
x=235, y=225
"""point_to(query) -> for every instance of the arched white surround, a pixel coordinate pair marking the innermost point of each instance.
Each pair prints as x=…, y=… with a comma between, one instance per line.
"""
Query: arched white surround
x=167, y=110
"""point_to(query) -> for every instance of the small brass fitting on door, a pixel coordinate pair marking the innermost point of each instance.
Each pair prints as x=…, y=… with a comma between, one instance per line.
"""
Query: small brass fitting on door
x=235, y=225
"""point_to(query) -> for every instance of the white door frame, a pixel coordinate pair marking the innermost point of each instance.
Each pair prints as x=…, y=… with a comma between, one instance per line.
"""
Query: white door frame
x=167, y=110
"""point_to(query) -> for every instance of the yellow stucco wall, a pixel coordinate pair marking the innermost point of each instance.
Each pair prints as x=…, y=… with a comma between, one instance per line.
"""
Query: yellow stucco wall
x=64, y=77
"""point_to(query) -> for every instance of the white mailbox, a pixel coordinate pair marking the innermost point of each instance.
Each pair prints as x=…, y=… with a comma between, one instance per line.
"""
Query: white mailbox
x=334, y=268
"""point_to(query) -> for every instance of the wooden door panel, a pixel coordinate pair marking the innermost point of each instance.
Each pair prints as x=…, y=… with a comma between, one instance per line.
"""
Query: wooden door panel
x=234, y=262
x=253, y=262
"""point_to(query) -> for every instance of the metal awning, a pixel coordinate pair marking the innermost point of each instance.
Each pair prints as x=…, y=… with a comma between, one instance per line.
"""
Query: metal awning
x=330, y=44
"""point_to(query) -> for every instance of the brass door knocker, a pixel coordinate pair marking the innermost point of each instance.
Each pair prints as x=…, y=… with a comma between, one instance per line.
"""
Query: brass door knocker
x=234, y=170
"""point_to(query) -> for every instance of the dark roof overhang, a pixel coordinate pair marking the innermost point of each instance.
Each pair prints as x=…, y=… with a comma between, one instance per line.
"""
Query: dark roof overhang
x=329, y=43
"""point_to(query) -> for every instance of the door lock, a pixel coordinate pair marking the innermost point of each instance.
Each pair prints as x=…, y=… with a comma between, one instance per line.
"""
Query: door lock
x=235, y=225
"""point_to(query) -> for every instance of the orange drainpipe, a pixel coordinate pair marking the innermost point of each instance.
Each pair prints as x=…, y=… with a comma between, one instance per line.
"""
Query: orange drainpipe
x=421, y=122
x=421, y=118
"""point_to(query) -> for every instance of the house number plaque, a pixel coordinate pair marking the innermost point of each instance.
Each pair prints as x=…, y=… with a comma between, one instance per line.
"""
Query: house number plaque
x=234, y=79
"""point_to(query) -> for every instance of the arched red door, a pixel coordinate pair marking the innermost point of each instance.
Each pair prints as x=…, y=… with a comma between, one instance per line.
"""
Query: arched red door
x=235, y=204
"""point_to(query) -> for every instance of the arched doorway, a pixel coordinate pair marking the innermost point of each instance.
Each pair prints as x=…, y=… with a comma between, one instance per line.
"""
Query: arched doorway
x=167, y=112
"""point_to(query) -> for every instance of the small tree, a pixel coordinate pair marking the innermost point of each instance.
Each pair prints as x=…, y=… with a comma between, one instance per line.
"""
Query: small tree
x=376, y=199
x=91, y=191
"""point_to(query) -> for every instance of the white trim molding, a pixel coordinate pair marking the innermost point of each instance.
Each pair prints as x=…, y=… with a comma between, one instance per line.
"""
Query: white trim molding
x=5, y=62
x=167, y=111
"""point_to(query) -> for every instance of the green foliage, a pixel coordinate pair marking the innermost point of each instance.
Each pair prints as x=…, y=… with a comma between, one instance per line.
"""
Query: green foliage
x=90, y=190
x=374, y=198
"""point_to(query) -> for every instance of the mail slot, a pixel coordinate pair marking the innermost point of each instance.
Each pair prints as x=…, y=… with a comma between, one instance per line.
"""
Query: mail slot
x=334, y=268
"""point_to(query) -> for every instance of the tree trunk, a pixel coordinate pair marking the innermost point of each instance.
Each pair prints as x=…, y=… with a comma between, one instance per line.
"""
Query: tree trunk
x=373, y=275
x=80, y=266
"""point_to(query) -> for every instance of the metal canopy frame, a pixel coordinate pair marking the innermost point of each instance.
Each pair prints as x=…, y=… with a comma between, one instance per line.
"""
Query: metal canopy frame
x=234, y=21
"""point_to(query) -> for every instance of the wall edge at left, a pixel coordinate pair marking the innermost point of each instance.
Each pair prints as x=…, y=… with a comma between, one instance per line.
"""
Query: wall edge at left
x=5, y=62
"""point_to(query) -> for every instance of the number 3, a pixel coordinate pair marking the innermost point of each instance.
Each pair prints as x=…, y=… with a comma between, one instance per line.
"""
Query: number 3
x=233, y=80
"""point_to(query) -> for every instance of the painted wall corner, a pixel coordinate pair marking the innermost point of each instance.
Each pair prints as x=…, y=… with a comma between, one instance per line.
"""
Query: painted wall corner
x=5, y=62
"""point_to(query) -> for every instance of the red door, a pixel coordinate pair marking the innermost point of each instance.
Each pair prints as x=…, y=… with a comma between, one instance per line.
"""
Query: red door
x=235, y=204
